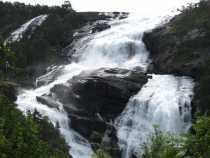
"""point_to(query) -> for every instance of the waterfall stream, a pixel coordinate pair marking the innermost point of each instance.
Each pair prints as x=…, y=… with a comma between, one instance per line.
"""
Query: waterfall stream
x=18, y=34
x=164, y=100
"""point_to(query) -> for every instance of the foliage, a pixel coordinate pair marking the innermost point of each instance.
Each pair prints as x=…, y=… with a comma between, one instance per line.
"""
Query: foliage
x=20, y=135
x=203, y=86
x=194, y=144
x=193, y=21
x=43, y=43
x=192, y=18
x=108, y=151
x=49, y=133
x=5, y=55
x=198, y=144
x=160, y=144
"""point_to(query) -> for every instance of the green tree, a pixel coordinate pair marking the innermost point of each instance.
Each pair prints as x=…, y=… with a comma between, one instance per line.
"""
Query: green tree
x=195, y=144
x=160, y=144
x=5, y=54
x=107, y=152
x=21, y=137
x=203, y=86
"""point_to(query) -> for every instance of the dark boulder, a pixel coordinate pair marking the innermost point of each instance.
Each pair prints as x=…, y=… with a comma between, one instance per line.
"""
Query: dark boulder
x=47, y=101
x=86, y=126
x=100, y=27
x=95, y=21
x=52, y=73
x=104, y=91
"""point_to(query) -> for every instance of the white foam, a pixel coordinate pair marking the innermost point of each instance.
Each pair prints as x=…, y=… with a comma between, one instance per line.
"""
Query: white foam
x=164, y=100
x=18, y=34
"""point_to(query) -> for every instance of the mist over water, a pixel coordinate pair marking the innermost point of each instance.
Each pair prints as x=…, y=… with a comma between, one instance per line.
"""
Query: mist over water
x=122, y=47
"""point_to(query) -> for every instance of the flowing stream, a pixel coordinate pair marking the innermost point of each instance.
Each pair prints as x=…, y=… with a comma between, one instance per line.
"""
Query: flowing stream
x=163, y=100
x=18, y=34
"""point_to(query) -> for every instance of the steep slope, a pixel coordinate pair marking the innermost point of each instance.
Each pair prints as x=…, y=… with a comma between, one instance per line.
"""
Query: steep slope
x=182, y=47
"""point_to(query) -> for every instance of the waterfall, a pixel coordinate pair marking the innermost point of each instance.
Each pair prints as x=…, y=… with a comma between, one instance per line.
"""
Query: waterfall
x=164, y=100
x=80, y=147
x=120, y=46
x=18, y=34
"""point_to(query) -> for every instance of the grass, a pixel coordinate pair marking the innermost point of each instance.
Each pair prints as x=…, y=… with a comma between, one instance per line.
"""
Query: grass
x=197, y=18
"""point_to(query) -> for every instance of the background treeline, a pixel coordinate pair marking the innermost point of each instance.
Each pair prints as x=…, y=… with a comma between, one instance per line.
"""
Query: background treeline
x=31, y=136
x=46, y=40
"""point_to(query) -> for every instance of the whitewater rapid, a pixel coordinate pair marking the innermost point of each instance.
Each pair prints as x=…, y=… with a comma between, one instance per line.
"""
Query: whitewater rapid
x=165, y=101
x=122, y=47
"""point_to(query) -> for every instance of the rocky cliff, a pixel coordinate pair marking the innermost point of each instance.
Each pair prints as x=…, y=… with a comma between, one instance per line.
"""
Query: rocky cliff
x=178, y=48
x=93, y=98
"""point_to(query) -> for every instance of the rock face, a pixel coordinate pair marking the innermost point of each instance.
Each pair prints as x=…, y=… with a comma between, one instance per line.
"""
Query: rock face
x=172, y=54
x=103, y=90
x=47, y=101
x=95, y=22
x=169, y=54
x=100, y=27
x=52, y=73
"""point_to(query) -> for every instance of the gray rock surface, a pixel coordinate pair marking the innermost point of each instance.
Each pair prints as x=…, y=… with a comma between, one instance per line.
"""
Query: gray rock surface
x=163, y=50
x=46, y=100
x=96, y=22
x=103, y=92
x=167, y=58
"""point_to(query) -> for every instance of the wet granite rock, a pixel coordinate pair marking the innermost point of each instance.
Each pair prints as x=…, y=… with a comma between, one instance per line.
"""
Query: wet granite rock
x=103, y=90
x=100, y=27
x=46, y=100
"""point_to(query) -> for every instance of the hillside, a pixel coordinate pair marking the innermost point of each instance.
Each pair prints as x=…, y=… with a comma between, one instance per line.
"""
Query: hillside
x=100, y=90
x=39, y=43
x=182, y=47
x=34, y=135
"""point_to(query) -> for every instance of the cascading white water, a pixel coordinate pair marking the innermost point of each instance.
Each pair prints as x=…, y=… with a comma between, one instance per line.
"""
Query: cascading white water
x=80, y=147
x=120, y=46
x=164, y=100
x=18, y=34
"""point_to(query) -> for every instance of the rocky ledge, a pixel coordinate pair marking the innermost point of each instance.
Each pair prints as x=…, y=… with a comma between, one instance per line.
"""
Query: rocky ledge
x=103, y=90
x=179, y=54
x=171, y=53
x=95, y=22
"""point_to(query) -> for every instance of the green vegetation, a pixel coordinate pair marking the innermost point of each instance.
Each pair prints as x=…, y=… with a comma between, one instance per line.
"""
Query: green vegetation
x=24, y=136
x=43, y=43
x=202, y=86
x=195, y=144
x=108, y=152
x=192, y=18
x=5, y=55
x=160, y=144
x=193, y=21
x=28, y=136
